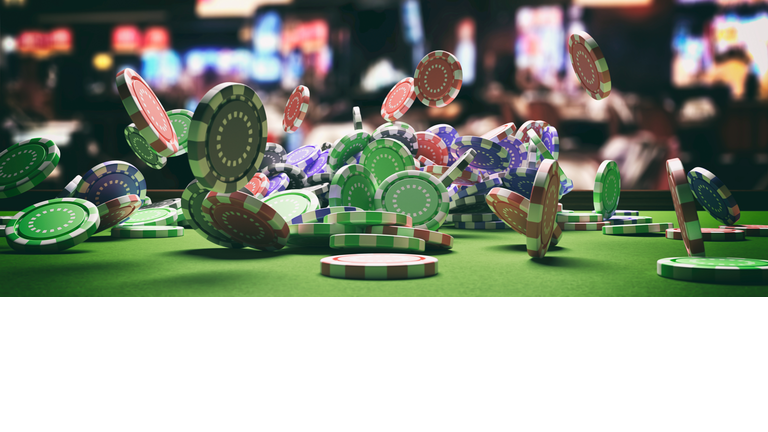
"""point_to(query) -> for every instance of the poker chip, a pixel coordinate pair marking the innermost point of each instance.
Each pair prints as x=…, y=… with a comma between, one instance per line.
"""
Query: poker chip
x=357, y=118
x=229, y=113
x=446, y=133
x=273, y=153
x=295, y=174
x=317, y=234
x=377, y=242
x=346, y=147
x=142, y=149
x=479, y=188
x=623, y=212
x=147, y=112
x=472, y=217
x=537, y=126
x=636, y=229
x=510, y=207
x=353, y=185
x=52, y=226
x=557, y=236
x=491, y=157
x=258, y=185
x=629, y=220
x=296, y=109
x=146, y=201
x=468, y=204
x=583, y=226
x=589, y=64
x=292, y=203
x=26, y=164
x=531, y=156
x=750, y=230
x=378, y=266
x=431, y=148
x=437, y=79
x=579, y=217
x=607, y=188
x=147, y=231
x=542, y=209
x=551, y=141
x=417, y=194
x=317, y=216
x=496, y=225
x=520, y=181
x=303, y=156
x=161, y=216
x=501, y=133
x=110, y=180
x=714, y=196
x=369, y=218
x=320, y=166
x=425, y=162
x=542, y=152
x=714, y=270
x=384, y=157
x=432, y=239
x=318, y=179
x=401, y=133
x=192, y=207
x=685, y=208
x=117, y=210
x=71, y=188
x=398, y=100
x=710, y=234
x=466, y=178
x=457, y=168
x=174, y=203
x=181, y=120
x=247, y=220
x=277, y=183
x=517, y=152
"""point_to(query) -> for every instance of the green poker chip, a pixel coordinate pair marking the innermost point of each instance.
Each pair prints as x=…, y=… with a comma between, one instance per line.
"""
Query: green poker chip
x=353, y=186
x=181, y=120
x=292, y=203
x=147, y=231
x=377, y=242
x=318, y=234
x=347, y=147
x=416, y=194
x=142, y=149
x=714, y=270
x=369, y=218
x=160, y=216
x=385, y=156
x=26, y=164
x=637, y=229
x=579, y=217
x=605, y=195
x=192, y=206
x=472, y=217
x=227, y=137
x=52, y=226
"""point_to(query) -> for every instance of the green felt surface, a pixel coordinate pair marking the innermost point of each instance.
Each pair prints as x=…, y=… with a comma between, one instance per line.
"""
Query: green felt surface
x=482, y=263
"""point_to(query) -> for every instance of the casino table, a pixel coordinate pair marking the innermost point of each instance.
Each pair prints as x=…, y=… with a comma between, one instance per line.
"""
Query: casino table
x=482, y=263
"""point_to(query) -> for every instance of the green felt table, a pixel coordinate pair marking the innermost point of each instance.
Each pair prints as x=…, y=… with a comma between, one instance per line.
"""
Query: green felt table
x=482, y=263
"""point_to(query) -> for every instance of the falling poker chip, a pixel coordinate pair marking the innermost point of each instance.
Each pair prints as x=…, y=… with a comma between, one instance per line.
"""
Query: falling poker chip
x=438, y=79
x=181, y=120
x=589, y=64
x=26, y=164
x=296, y=109
x=142, y=149
x=227, y=138
x=110, y=180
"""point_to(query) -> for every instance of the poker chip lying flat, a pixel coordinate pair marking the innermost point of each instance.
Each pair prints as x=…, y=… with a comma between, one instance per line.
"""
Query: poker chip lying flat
x=463, y=205
x=317, y=179
x=147, y=231
x=369, y=218
x=579, y=217
x=303, y=156
x=637, y=229
x=710, y=234
x=629, y=220
x=583, y=226
x=379, y=266
x=26, y=164
x=623, y=212
x=714, y=270
x=174, y=203
x=496, y=225
x=318, y=234
x=750, y=230
x=52, y=226
x=161, y=216
x=472, y=217
x=377, y=242
x=433, y=239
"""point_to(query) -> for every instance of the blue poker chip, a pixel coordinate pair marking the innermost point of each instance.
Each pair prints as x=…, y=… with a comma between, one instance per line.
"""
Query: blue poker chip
x=446, y=133
x=110, y=180
x=320, y=166
x=565, y=186
x=479, y=188
x=630, y=220
x=317, y=216
x=517, y=153
x=277, y=183
x=714, y=196
x=303, y=156
x=520, y=181
x=491, y=157
x=551, y=141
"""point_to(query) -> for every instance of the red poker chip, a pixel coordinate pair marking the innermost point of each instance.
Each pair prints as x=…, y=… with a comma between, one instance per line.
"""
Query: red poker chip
x=258, y=185
x=710, y=234
x=432, y=148
x=751, y=230
x=246, y=220
x=398, y=100
x=296, y=109
x=501, y=133
x=542, y=210
x=117, y=210
x=510, y=207
x=685, y=208
x=438, y=79
x=147, y=113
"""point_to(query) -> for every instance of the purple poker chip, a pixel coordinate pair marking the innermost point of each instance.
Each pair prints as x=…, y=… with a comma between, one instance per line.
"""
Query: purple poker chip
x=517, y=153
x=110, y=180
x=277, y=183
x=446, y=133
x=303, y=156
x=520, y=181
x=320, y=166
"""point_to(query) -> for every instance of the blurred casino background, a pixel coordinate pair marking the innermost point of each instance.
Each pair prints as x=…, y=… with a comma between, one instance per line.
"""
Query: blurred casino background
x=690, y=77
